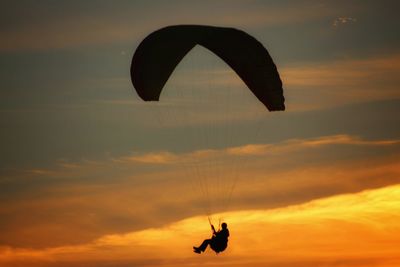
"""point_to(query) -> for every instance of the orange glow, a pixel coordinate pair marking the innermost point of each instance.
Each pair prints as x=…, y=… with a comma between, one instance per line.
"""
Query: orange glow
x=351, y=229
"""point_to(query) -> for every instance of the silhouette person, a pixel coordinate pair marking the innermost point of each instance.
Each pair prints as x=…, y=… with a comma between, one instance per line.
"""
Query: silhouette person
x=218, y=241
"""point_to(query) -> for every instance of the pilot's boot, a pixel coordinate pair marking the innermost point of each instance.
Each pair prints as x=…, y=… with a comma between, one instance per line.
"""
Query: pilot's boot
x=196, y=250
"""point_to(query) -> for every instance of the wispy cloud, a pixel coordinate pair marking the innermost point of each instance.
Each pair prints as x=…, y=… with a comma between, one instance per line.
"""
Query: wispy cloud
x=154, y=158
x=346, y=140
x=343, y=20
x=41, y=28
x=342, y=82
x=258, y=149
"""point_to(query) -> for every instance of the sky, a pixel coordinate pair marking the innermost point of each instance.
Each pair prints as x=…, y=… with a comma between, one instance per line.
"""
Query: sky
x=90, y=175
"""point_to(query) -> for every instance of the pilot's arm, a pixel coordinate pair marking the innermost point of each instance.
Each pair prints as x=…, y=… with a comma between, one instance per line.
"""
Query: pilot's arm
x=213, y=229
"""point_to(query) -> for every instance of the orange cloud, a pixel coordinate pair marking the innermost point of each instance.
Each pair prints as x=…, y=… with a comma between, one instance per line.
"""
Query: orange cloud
x=257, y=149
x=155, y=158
x=351, y=228
x=88, y=199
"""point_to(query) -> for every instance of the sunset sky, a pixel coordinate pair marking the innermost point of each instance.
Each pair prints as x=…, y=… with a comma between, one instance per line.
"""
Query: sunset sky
x=90, y=175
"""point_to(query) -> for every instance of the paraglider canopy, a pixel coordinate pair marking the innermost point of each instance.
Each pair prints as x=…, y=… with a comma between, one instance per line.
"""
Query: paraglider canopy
x=160, y=52
x=211, y=114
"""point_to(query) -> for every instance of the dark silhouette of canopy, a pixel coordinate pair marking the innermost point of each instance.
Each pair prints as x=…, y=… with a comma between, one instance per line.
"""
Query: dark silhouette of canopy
x=160, y=52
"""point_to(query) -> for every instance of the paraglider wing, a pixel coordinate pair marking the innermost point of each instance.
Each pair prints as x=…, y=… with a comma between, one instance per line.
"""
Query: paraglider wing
x=160, y=52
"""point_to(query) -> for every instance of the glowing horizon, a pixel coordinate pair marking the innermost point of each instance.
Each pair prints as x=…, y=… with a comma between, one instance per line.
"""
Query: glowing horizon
x=284, y=235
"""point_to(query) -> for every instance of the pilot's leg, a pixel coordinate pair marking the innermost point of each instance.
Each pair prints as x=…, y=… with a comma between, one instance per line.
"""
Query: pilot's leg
x=204, y=245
